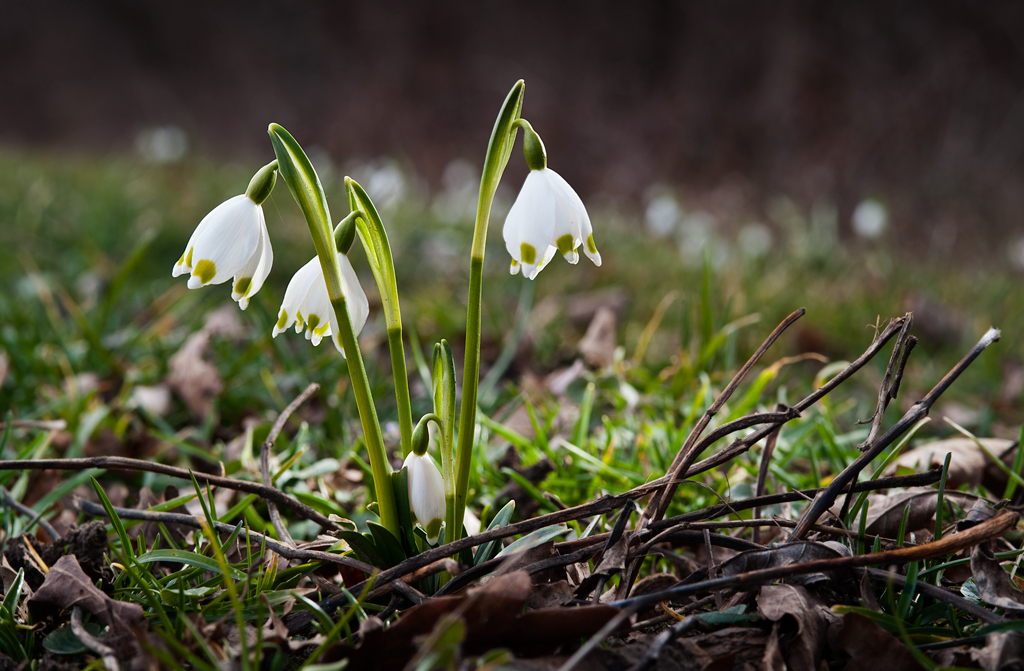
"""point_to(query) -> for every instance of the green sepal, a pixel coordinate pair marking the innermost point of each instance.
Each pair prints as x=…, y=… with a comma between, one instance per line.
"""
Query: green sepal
x=262, y=183
x=386, y=544
x=444, y=407
x=345, y=232
x=533, y=147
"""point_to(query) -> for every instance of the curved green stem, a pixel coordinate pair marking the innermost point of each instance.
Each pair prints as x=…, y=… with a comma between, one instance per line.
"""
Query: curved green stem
x=298, y=173
x=378, y=251
x=498, y=150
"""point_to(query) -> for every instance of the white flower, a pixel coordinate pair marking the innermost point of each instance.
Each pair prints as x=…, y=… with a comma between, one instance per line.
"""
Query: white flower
x=231, y=241
x=307, y=304
x=547, y=217
x=426, y=493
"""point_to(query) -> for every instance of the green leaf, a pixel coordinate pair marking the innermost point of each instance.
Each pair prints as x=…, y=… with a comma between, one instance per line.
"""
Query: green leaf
x=301, y=178
x=64, y=642
x=729, y=616
x=115, y=521
x=538, y=537
x=189, y=559
x=386, y=544
x=489, y=549
x=364, y=547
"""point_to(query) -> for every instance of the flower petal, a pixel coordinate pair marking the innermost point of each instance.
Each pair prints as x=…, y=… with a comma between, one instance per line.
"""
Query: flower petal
x=250, y=278
x=426, y=493
x=566, y=236
x=530, y=223
x=297, y=289
x=586, y=229
x=225, y=240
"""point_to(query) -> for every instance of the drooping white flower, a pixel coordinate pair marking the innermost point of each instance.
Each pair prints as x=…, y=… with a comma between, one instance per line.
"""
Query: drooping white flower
x=426, y=493
x=547, y=217
x=307, y=305
x=230, y=242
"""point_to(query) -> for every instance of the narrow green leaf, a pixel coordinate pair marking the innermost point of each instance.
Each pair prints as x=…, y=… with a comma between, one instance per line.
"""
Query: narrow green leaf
x=538, y=537
x=189, y=559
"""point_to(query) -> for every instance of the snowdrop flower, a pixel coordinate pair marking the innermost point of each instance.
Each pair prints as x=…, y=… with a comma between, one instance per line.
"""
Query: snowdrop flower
x=307, y=305
x=547, y=216
x=426, y=493
x=232, y=242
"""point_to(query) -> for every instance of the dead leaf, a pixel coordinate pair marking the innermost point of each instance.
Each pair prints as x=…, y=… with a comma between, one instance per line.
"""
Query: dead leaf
x=812, y=617
x=193, y=378
x=993, y=582
x=66, y=585
x=885, y=511
x=782, y=555
x=598, y=343
x=1002, y=652
x=968, y=464
x=871, y=647
x=550, y=594
x=494, y=618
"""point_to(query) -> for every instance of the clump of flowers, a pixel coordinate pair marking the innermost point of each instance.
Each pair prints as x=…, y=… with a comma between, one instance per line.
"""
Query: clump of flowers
x=324, y=299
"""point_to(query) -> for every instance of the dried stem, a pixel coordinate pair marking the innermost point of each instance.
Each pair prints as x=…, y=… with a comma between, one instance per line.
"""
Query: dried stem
x=919, y=410
x=275, y=431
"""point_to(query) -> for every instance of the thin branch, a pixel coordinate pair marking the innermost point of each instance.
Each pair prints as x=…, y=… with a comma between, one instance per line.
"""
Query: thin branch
x=762, y=471
x=742, y=445
x=275, y=431
x=919, y=410
x=953, y=543
x=687, y=454
x=890, y=383
x=135, y=465
x=937, y=593
x=29, y=513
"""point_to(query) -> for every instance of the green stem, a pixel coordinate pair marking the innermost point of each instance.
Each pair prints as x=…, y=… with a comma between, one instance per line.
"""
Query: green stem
x=379, y=464
x=302, y=181
x=498, y=150
x=401, y=375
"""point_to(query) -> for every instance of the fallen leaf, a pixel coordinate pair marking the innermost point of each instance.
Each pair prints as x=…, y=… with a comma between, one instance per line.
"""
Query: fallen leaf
x=993, y=582
x=885, y=511
x=872, y=647
x=968, y=464
x=66, y=585
x=599, y=343
x=1002, y=652
x=494, y=618
x=782, y=555
x=812, y=617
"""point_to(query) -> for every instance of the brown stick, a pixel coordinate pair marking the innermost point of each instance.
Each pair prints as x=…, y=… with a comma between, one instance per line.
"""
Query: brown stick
x=134, y=465
x=991, y=528
x=275, y=431
x=919, y=410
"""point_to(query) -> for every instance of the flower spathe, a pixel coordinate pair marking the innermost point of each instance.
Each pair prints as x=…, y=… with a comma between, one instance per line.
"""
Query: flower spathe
x=307, y=305
x=230, y=242
x=547, y=217
x=426, y=493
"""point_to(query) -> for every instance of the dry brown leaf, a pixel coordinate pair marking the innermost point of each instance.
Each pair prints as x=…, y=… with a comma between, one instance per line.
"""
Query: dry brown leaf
x=66, y=585
x=598, y=343
x=193, y=378
x=885, y=511
x=871, y=647
x=782, y=555
x=1002, y=652
x=494, y=618
x=968, y=464
x=812, y=617
x=993, y=582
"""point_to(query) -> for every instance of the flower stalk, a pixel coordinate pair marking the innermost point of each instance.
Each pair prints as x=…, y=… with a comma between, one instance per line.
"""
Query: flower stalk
x=305, y=187
x=498, y=151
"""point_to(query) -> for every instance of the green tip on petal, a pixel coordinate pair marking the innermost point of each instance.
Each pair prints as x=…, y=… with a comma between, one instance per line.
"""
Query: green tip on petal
x=242, y=286
x=205, y=270
x=188, y=259
x=590, y=244
x=528, y=252
x=282, y=319
x=564, y=244
x=312, y=321
x=433, y=529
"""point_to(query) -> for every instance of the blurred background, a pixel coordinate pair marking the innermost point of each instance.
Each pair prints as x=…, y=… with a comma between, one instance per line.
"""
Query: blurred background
x=860, y=159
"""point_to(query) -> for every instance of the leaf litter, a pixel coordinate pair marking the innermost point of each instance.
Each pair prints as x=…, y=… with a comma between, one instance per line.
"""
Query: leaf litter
x=644, y=593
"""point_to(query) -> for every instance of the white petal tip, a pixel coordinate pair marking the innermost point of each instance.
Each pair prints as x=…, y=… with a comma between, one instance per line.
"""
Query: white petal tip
x=194, y=282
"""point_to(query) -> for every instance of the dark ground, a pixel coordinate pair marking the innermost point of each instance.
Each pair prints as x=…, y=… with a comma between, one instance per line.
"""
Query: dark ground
x=921, y=104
